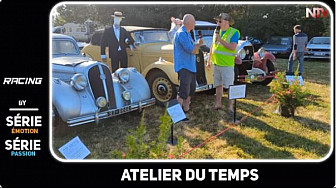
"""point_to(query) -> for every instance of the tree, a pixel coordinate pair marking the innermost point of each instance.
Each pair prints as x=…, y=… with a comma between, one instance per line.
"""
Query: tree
x=259, y=21
x=77, y=13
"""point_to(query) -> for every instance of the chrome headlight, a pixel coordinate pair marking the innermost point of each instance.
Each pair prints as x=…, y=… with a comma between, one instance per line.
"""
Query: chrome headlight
x=123, y=75
x=78, y=81
x=261, y=52
x=242, y=53
x=126, y=95
x=101, y=102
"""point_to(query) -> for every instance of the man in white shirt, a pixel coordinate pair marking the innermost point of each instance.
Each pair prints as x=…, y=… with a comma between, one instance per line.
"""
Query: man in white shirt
x=176, y=23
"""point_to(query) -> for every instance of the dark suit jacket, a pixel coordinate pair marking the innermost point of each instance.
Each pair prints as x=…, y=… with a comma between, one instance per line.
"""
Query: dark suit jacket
x=110, y=40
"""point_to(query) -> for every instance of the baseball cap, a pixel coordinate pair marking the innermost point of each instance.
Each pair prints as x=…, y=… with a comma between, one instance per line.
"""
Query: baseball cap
x=223, y=16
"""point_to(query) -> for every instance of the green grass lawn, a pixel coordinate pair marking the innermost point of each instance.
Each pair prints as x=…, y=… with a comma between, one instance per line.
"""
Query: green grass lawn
x=263, y=135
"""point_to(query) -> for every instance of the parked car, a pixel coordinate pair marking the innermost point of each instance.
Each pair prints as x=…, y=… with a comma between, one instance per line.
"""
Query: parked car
x=257, y=43
x=58, y=29
x=206, y=29
x=84, y=90
x=279, y=46
x=257, y=67
x=153, y=57
x=318, y=47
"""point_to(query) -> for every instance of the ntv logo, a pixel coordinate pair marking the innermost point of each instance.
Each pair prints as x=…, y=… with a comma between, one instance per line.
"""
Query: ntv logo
x=316, y=13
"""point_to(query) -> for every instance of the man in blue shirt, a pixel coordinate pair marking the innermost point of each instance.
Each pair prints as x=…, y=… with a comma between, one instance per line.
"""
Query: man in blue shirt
x=185, y=61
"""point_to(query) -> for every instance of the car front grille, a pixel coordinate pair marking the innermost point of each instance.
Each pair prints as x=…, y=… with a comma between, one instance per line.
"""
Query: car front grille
x=98, y=75
x=249, y=53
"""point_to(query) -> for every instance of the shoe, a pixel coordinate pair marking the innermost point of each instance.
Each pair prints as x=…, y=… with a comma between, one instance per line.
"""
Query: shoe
x=289, y=73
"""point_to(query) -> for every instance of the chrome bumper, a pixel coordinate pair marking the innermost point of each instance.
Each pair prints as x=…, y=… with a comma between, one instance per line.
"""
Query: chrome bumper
x=204, y=88
x=110, y=113
x=317, y=57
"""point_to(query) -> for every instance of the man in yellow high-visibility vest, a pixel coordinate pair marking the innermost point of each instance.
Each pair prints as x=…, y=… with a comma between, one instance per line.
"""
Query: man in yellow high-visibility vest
x=222, y=55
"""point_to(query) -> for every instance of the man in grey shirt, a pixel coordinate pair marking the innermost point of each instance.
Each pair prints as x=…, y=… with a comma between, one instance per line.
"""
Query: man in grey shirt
x=300, y=40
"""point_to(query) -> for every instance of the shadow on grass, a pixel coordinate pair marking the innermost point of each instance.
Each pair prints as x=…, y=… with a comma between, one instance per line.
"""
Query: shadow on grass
x=253, y=147
x=247, y=107
x=285, y=139
x=313, y=124
x=257, y=92
x=314, y=99
x=253, y=91
x=275, y=136
x=250, y=146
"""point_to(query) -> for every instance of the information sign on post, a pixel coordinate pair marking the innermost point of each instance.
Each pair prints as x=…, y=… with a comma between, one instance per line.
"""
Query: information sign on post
x=175, y=111
x=236, y=92
x=176, y=114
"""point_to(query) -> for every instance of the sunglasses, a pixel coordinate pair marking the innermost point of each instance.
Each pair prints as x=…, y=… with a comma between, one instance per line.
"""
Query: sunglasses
x=219, y=21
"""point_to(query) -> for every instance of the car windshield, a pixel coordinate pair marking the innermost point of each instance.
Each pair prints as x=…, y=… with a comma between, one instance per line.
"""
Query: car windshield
x=205, y=31
x=320, y=40
x=280, y=41
x=151, y=36
x=64, y=47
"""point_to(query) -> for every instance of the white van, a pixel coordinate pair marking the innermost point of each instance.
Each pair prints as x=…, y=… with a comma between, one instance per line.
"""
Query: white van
x=81, y=32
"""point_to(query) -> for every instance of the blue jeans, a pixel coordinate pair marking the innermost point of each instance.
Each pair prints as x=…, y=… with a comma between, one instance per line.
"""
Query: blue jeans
x=300, y=58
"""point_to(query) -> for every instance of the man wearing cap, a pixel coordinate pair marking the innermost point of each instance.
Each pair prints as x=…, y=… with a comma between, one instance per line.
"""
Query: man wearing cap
x=300, y=40
x=222, y=54
x=185, y=61
x=116, y=38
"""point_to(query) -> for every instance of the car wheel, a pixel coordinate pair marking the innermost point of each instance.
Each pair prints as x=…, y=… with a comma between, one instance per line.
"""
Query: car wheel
x=162, y=88
x=270, y=68
x=60, y=128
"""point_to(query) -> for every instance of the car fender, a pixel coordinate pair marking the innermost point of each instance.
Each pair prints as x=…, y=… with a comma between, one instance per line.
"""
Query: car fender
x=65, y=100
x=137, y=86
x=261, y=62
x=268, y=56
x=166, y=67
x=70, y=103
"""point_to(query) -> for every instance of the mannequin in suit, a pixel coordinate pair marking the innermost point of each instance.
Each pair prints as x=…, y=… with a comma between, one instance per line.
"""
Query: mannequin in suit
x=116, y=38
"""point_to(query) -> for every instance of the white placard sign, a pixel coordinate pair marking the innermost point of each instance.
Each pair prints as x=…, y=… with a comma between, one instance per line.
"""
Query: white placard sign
x=74, y=149
x=176, y=113
x=237, y=91
x=291, y=78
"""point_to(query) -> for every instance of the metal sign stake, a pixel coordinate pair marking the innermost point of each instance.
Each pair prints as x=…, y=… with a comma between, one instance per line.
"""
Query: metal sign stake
x=234, y=111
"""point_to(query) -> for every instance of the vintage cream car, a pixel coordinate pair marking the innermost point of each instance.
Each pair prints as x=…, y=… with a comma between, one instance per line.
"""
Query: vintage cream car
x=153, y=57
